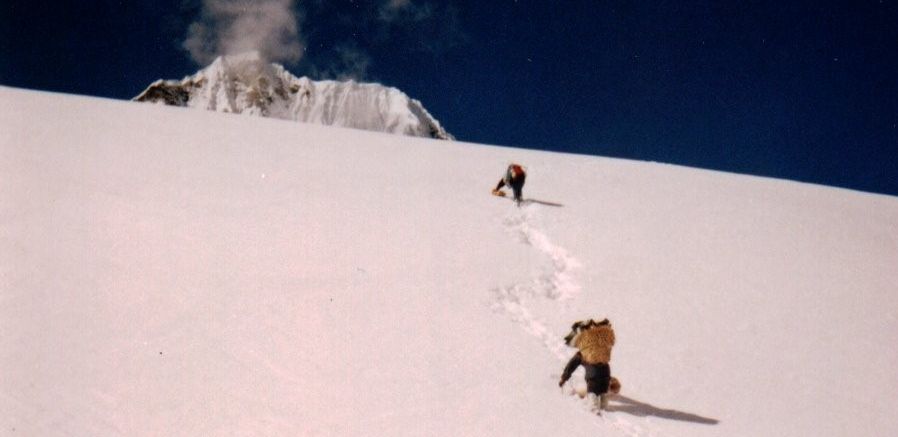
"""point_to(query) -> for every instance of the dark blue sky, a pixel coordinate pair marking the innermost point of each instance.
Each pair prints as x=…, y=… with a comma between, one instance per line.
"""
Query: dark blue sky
x=791, y=89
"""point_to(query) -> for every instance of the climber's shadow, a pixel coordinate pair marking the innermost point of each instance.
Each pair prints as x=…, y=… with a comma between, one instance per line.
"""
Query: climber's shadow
x=627, y=405
x=541, y=202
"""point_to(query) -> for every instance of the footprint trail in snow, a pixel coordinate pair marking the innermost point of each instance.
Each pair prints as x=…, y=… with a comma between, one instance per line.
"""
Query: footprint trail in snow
x=558, y=285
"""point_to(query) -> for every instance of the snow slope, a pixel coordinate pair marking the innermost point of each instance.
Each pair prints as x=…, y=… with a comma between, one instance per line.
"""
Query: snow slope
x=246, y=84
x=173, y=272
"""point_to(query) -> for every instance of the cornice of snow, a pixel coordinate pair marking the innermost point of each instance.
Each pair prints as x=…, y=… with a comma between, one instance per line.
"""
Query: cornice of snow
x=246, y=84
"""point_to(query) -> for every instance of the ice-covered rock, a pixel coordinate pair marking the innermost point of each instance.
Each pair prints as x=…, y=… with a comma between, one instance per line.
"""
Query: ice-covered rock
x=247, y=84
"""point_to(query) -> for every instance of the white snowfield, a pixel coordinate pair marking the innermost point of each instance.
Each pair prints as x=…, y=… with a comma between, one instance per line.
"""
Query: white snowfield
x=168, y=272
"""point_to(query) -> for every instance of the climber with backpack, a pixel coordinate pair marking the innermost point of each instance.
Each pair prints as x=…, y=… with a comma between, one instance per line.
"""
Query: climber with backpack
x=593, y=341
x=514, y=178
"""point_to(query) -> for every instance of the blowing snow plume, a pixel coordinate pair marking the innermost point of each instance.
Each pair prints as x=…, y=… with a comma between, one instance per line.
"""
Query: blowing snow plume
x=227, y=27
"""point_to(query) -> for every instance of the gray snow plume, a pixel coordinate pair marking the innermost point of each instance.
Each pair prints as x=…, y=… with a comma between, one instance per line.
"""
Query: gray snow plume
x=228, y=27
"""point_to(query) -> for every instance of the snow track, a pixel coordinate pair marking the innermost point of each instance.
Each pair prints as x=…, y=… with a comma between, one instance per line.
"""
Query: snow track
x=557, y=285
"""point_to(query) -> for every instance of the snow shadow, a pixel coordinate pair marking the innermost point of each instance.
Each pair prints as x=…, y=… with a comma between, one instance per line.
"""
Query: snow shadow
x=541, y=202
x=632, y=406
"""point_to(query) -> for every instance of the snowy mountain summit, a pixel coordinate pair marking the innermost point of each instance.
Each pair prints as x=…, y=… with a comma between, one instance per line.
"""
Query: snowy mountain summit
x=247, y=84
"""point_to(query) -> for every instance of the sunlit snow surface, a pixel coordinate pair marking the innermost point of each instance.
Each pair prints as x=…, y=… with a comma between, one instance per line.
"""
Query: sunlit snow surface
x=182, y=273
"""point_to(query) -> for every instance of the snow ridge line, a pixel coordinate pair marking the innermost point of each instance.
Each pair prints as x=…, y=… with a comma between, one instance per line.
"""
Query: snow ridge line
x=558, y=285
